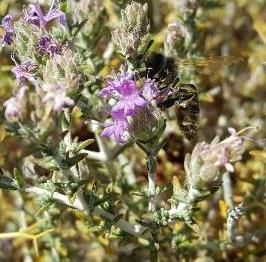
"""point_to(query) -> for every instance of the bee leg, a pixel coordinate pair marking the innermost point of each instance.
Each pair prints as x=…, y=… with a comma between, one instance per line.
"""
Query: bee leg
x=175, y=82
x=169, y=102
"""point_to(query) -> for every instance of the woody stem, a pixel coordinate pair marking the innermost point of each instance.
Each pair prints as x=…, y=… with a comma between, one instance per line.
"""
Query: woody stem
x=152, y=167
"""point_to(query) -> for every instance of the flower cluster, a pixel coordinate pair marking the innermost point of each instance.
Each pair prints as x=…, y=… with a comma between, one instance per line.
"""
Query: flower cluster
x=55, y=95
x=24, y=71
x=207, y=161
x=129, y=100
x=49, y=46
x=14, y=105
x=133, y=28
x=35, y=15
x=53, y=92
x=7, y=24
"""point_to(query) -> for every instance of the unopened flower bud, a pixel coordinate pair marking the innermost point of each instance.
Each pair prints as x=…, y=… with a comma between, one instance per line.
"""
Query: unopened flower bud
x=89, y=10
x=185, y=6
x=174, y=38
x=147, y=125
x=61, y=69
x=132, y=30
x=208, y=161
x=15, y=106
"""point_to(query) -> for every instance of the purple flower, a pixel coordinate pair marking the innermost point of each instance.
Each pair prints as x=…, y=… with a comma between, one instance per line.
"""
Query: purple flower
x=24, y=71
x=7, y=24
x=47, y=45
x=56, y=97
x=14, y=105
x=35, y=15
x=117, y=129
x=130, y=98
x=125, y=89
x=150, y=89
x=221, y=154
x=111, y=87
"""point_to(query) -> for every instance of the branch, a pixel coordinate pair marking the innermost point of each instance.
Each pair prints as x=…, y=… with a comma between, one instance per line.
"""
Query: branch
x=234, y=214
x=134, y=229
x=227, y=190
x=152, y=167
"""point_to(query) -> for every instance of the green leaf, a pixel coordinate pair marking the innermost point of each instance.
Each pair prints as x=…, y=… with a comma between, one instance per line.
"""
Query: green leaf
x=145, y=45
x=45, y=207
x=18, y=178
x=161, y=145
x=84, y=144
x=74, y=160
x=47, y=163
x=78, y=27
x=8, y=183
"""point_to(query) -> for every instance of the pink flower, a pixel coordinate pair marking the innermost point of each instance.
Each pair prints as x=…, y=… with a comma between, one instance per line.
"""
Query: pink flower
x=117, y=129
x=129, y=98
x=124, y=88
x=35, y=15
x=150, y=89
x=7, y=24
x=47, y=45
x=111, y=87
x=14, y=105
x=221, y=154
x=56, y=97
x=24, y=71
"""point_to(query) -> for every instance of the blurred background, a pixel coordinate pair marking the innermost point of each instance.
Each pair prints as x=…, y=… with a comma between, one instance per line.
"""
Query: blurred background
x=231, y=97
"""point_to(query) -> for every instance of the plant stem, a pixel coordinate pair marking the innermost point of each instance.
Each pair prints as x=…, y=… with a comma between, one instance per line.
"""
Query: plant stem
x=227, y=189
x=152, y=167
x=23, y=223
x=153, y=253
x=133, y=229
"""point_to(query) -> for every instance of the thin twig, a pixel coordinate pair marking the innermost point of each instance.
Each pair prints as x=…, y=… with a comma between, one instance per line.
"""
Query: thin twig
x=133, y=229
x=227, y=190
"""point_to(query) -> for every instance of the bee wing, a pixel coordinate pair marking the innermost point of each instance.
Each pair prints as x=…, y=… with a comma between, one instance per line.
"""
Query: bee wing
x=207, y=65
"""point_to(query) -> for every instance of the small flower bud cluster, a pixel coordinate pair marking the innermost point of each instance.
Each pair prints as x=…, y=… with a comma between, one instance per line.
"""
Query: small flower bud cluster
x=185, y=5
x=174, y=39
x=87, y=9
x=208, y=161
x=15, y=105
x=44, y=59
x=61, y=69
x=35, y=15
x=132, y=30
x=7, y=24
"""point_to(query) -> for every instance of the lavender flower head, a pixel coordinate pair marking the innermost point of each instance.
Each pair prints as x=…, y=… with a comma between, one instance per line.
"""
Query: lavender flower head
x=24, y=71
x=34, y=15
x=124, y=88
x=132, y=110
x=47, y=45
x=7, y=24
x=110, y=88
x=208, y=161
x=56, y=97
x=14, y=105
x=150, y=89
x=222, y=154
x=118, y=128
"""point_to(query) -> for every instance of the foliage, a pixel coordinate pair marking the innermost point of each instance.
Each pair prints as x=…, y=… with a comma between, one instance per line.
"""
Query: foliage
x=132, y=130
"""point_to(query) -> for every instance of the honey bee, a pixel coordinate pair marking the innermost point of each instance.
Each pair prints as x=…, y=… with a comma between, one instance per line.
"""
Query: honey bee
x=166, y=70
